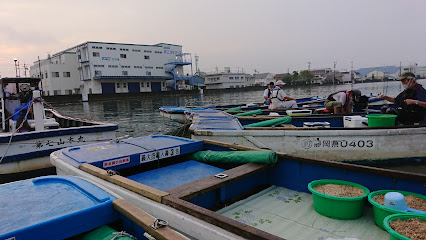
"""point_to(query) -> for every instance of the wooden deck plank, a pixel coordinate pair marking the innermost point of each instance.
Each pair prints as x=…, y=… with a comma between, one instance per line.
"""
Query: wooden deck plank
x=126, y=183
x=144, y=220
x=193, y=189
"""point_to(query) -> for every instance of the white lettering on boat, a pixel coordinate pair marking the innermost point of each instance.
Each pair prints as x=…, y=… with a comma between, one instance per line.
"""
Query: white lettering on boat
x=163, y=153
x=337, y=143
x=116, y=162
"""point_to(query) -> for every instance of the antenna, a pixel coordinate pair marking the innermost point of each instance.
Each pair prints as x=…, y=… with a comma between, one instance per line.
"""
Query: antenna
x=39, y=69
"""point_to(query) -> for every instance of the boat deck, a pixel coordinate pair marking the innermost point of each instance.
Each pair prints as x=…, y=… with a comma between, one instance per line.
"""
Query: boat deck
x=291, y=215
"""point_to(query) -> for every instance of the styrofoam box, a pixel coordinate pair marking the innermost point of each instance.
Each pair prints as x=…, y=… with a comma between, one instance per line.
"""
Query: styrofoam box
x=317, y=124
x=354, y=121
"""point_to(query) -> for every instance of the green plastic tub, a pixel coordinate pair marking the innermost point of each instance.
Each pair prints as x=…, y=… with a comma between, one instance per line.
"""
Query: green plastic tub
x=381, y=120
x=343, y=208
x=380, y=212
x=393, y=235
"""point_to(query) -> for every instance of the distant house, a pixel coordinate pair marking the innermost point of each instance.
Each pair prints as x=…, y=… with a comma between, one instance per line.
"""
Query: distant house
x=250, y=80
x=389, y=72
x=280, y=76
x=321, y=75
x=225, y=79
x=262, y=79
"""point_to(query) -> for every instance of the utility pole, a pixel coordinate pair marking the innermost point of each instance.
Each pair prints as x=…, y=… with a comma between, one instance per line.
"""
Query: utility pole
x=334, y=71
x=16, y=67
x=25, y=70
x=352, y=72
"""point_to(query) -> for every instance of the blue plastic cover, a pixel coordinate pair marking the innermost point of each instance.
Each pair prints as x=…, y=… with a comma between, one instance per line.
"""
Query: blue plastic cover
x=131, y=152
x=53, y=207
x=175, y=175
x=174, y=109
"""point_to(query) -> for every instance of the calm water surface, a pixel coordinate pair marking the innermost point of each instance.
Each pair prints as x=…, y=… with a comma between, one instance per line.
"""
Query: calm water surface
x=140, y=116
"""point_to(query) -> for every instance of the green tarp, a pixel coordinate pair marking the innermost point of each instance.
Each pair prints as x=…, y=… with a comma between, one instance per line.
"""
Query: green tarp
x=258, y=111
x=233, y=109
x=267, y=157
x=270, y=123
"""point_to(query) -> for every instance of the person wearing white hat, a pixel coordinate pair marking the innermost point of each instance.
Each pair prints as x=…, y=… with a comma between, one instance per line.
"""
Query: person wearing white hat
x=279, y=100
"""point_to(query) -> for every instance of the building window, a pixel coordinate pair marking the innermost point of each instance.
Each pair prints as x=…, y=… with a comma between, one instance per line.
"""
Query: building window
x=141, y=84
x=98, y=73
x=110, y=48
x=99, y=66
x=96, y=47
x=118, y=85
x=55, y=74
x=124, y=49
x=123, y=55
x=136, y=50
x=45, y=74
x=147, y=84
x=124, y=85
x=147, y=51
x=112, y=66
x=68, y=92
x=149, y=67
x=125, y=73
x=158, y=52
x=231, y=77
x=237, y=77
x=67, y=74
x=159, y=67
x=148, y=73
x=164, y=84
x=57, y=92
x=146, y=57
x=96, y=54
x=242, y=77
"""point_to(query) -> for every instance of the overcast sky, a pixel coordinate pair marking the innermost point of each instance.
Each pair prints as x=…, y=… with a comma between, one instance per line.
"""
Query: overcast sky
x=267, y=35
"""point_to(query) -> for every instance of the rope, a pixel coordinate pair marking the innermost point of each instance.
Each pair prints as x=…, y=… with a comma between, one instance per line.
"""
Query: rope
x=122, y=234
x=20, y=126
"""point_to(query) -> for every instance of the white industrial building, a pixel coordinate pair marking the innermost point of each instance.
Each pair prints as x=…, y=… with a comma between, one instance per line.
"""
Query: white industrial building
x=100, y=67
x=225, y=79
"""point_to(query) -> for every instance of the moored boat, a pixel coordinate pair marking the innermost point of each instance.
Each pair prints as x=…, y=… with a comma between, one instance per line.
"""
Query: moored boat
x=60, y=207
x=266, y=198
x=30, y=132
x=323, y=137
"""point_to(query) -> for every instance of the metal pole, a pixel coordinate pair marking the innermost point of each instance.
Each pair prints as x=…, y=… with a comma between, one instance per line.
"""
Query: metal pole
x=39, y=69
x=16, y=68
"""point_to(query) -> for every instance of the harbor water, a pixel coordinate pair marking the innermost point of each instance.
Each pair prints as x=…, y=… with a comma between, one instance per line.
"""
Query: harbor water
x=140, y=116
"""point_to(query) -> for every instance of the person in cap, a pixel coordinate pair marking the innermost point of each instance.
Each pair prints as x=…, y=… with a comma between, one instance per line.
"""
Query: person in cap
x=411, y=101
x=267, y=93
x=342, y=101
x=279, y=100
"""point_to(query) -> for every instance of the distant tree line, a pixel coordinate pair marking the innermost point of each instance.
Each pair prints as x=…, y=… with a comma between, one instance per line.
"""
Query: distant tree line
x=304, y=77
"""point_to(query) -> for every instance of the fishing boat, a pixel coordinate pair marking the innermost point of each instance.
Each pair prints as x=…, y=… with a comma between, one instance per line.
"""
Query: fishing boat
x=30, y=132
x=62, y=207
x=331, y=137
x=249, y=192
x=177, y=113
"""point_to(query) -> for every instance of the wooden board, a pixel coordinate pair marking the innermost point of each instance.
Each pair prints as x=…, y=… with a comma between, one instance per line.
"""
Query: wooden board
x=131, y=185
x=144, y=220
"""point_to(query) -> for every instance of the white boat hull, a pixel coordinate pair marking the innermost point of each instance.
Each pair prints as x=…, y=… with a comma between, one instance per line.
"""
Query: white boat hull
x=33, y=154
x=183, y=222
x=337, y=145
x=178, y=117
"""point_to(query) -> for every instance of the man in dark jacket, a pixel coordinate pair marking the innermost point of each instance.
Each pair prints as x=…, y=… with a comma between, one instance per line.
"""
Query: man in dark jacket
x=411, y=101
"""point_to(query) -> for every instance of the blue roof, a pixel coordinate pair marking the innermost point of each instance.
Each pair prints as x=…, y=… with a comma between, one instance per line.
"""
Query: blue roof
x=386, y=69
